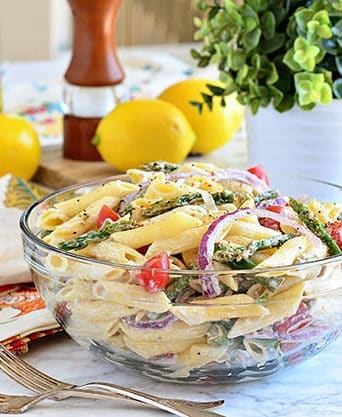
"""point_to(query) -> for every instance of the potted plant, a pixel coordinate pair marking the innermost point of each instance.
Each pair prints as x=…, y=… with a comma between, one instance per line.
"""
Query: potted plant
x=283, y=60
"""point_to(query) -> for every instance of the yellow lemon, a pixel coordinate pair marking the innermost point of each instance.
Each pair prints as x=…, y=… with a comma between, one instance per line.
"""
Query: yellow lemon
x=19, y=147
x=141, y=131
x=212, y=128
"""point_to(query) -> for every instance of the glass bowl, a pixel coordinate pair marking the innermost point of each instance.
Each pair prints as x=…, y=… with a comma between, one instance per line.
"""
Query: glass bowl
x=188, y=343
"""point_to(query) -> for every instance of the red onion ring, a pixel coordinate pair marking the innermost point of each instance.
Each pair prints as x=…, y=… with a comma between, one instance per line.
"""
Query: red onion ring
x=241, y=176
x=132, y=196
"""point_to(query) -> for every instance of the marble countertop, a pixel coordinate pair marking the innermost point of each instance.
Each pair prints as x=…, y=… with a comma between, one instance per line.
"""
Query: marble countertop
x=313, y=388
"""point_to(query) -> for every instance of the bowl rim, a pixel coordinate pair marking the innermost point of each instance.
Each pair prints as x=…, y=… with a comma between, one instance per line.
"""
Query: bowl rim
x=26, y=232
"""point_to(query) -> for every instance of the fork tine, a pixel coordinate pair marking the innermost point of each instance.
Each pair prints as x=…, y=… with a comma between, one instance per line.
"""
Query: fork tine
x=24, y=373
x=23, y=380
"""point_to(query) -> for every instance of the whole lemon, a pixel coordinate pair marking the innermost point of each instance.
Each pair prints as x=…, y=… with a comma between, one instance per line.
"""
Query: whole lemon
x=141, y=131
x=19, y=147
x=212, y=128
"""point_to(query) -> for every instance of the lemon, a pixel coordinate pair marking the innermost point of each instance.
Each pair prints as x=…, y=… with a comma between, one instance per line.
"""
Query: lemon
x=19, y=147
x=212, y=128
x=141, y=131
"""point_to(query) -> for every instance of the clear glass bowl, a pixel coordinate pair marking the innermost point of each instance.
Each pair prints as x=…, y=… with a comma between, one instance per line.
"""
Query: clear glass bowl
x=185, y=351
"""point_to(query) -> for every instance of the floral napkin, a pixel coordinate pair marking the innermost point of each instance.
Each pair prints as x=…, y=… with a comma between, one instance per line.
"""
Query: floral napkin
x=23, y=314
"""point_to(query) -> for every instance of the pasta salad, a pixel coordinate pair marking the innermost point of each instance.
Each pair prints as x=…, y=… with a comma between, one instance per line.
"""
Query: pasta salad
x=201, y=267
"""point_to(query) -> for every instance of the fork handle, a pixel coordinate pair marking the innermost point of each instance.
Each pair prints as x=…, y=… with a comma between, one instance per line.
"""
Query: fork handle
x=116, y=388
x=169, y=405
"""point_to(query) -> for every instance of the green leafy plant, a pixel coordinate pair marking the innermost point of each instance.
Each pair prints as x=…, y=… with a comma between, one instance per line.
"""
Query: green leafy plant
x=272, y=52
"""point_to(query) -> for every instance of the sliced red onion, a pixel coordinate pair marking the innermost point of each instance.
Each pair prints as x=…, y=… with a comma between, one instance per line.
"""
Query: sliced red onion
x=132, y=196
x=225, y=174
x=210, y=286
x=209, y=283
x=161, y=323
x=166, y=359
x=311, y=332
x=241, y=176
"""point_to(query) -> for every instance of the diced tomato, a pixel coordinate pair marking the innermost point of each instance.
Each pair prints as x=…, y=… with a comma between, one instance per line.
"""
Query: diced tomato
x=151, y=280
x=335, y=231
x=106, y=213
x=270, y=223
x=259, y=171
x=276, y=209
x=302, y=318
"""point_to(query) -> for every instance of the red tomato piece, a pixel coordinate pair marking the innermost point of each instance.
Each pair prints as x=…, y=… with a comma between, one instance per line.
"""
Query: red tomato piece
x=276, y=209
x=335, y=231
x=153, y=281
x=302, y=318
x=260, y=172
x=270, y=223
x=106, y=213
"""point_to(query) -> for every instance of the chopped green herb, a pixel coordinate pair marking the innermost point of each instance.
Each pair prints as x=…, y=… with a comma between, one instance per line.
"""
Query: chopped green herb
x=160, y=166
x=177, y=286
x=267, y=195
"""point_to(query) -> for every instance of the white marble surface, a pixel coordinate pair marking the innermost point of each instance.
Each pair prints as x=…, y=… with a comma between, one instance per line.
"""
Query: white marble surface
x=313, y=388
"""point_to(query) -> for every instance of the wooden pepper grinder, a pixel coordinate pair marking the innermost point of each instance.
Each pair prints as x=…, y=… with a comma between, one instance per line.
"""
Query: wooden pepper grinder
x=91, y=77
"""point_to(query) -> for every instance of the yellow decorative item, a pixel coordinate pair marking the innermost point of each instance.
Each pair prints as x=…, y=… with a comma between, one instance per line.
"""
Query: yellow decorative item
x=142, y=131
x=19, y=193
x=19, y=147
x=212, y=128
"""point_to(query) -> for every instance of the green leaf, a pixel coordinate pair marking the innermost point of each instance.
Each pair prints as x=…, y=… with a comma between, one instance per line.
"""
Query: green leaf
x=285, y=104
x=255, y=4
x=204, y=61
x=337, y=88
x=268, y=24
x=237, y=59
x=277, y=96
x=338, y=60
x=312, y=89
x=195, y=54
x=290, y=62
x=273, y=75
x=242, y=74
x=202, y=5
x=252, y=39
x=303, y=17
x=271, y=45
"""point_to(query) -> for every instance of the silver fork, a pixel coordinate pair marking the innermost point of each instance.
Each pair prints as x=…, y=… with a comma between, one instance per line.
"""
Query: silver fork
x=39, y=382
x=21, y=403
